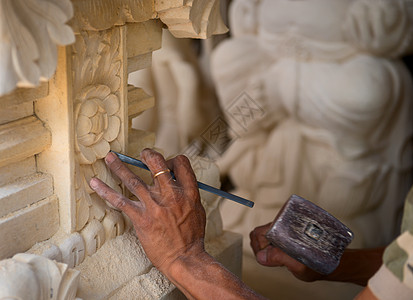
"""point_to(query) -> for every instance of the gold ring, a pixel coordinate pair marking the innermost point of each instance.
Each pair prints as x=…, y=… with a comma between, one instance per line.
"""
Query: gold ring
x=160, y=173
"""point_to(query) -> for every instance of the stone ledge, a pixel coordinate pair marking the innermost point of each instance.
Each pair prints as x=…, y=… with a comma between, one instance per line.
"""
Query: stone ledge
x=129, y=272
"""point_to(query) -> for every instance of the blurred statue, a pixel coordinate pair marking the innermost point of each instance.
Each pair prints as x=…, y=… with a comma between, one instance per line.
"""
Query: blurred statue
x=29, y=276
x=185, y=104
x=320, y=105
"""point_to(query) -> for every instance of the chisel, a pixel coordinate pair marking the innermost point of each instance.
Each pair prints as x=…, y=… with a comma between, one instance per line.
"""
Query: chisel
x=202, y=186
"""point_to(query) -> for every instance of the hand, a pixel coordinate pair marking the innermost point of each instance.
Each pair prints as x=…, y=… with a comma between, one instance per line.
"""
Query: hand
x=270, y=256
x=169, y=219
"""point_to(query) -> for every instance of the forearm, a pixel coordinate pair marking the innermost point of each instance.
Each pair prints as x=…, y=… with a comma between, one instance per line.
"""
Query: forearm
x=357, y=266
x=202, y=277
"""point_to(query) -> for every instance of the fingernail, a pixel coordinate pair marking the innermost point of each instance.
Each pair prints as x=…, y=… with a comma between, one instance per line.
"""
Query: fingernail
x=110, y=157
x=93, y=183
x=262, y=256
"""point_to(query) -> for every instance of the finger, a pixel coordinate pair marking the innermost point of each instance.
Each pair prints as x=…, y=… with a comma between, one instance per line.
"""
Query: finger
x=271, y=257
x=131, y=181
x=184, y=174
x=130, y=208
x=258, y=240
x=276, y=257
x=156, y=163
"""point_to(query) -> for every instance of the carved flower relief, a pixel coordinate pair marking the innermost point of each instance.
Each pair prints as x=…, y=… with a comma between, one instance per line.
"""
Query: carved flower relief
x=97, y=126
x=89, y=205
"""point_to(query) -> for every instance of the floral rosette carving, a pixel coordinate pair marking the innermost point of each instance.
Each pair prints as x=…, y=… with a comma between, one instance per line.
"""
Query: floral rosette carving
x=97, y=69
x=97, y=125
x=97, y=128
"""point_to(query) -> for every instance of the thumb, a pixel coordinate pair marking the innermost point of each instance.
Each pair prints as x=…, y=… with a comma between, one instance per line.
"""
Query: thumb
x=262, y=256
x=271, y=256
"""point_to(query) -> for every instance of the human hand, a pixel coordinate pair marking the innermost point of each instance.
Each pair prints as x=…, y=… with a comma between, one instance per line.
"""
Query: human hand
x=270, y=256
x=169, y=219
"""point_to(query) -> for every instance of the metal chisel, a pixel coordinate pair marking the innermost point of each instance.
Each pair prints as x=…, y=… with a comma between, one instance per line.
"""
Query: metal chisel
x=202, y=186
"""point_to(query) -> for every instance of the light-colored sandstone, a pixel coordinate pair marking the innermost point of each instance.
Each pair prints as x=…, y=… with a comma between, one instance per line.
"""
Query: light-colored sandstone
x=57, y=135
x=30, y=31
x=22, y=139
x=12, y=172
x=94, y=236
x=150, y=37
x=98, y=15
x=28, y=226
x=73, y=250
x=15, y=112
x=29, y=276
x=138, y=101
x=24, y=191
x=22, y=95
x=139, y=62
x=191, y=19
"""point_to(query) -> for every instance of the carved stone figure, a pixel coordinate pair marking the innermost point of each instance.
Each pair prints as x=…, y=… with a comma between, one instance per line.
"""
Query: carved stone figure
x=319, y=105
x=336, y=127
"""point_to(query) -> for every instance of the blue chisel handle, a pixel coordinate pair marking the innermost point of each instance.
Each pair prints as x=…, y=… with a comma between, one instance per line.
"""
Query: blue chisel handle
x=202, y=186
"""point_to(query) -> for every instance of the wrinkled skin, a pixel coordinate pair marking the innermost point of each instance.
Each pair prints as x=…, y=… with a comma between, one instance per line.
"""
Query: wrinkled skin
x=168, y=201
x=270, y=256
x=169, y=221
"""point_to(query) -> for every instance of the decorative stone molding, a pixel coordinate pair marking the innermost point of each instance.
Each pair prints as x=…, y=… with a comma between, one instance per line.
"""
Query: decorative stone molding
x=32, y=277
x=191, y=19
x=97, y=15
x=58, y=134
x=30, y=31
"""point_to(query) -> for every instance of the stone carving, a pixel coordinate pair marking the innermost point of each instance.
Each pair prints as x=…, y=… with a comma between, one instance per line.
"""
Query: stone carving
x=31, y=31
x=191, y=19
x=336, y=122
x=81, y=113
x=94, y=236
x=99, y=15
x=96, y=123
x=29, y=276
x=113, y=224
x=73, y=250
x=97, y=113
x=319, y=105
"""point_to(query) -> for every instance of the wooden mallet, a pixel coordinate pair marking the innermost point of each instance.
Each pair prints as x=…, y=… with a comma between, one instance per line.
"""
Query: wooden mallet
x=310, y=234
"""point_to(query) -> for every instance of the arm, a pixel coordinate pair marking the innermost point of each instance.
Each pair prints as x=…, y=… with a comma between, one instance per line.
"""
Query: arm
x=356, y=265
x=169, y=221
x=202, y=277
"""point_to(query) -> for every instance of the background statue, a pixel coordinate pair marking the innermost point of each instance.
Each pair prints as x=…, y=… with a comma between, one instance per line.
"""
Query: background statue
x=318, y=104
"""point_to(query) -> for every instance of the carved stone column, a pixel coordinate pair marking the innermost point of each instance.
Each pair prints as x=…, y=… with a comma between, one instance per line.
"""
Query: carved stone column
x=53, y=137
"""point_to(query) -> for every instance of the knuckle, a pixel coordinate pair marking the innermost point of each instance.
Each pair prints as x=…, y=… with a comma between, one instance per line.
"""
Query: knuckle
x=121, y=202
x=193, y=194
x=157, y=211
x=150, y=154
x=134, y=183
x=115, y=166
x=182, y=159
